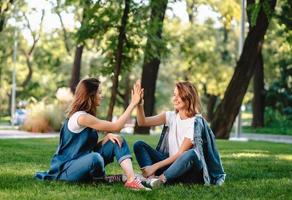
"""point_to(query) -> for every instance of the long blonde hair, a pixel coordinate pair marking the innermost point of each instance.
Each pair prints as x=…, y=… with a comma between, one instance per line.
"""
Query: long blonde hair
x=85, y=97
x=189, y=95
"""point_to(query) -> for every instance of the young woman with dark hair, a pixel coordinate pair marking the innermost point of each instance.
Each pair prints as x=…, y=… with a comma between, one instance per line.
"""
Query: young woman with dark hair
x=79, y=156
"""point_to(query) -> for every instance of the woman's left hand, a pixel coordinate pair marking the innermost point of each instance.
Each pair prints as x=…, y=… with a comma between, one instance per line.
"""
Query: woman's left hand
x=149, y=171
x=136, y=93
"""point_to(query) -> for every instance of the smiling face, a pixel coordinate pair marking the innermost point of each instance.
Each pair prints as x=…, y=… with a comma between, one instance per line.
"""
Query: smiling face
x=186, y=99
x=177, y=101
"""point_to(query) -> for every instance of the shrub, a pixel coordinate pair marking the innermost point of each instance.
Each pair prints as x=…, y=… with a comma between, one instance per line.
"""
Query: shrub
x=273, y=118
x=47, y=117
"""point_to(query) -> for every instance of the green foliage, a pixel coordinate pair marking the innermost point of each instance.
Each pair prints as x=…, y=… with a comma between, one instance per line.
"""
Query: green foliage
x=284, y=15
x=101, y=24
x=254, y=9
x=274, y=118
x=255, y=170
x=278, y=70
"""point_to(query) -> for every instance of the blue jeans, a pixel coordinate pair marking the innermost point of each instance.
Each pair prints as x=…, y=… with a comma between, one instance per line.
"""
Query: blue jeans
x=92, y=165
x=186, y=168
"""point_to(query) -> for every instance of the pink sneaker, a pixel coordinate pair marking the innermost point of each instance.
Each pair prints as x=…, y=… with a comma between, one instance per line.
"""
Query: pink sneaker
x=136, y=185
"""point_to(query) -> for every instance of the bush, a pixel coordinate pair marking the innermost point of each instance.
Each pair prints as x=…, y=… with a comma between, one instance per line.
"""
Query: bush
x=47, y=117
x=43, y=117
x=273, y=118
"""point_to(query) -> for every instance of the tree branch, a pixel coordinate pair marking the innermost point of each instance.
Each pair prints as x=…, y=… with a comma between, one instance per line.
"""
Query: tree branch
x=65, y=33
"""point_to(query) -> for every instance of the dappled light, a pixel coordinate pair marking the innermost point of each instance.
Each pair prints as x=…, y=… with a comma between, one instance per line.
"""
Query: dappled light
x=145, y=94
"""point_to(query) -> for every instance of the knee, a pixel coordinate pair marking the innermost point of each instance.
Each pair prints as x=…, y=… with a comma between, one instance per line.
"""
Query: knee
x=189, y=155
x=97, y=161
x=121, y=139
x=138, y=145
x=192, y=157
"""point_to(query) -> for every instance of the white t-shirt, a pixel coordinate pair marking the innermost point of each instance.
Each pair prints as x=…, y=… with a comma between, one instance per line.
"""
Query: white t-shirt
x=178, y=130
x=73, y=125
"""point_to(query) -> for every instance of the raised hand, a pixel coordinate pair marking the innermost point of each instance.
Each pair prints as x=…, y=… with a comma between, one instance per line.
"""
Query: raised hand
x=136, y=93
x=138, y=84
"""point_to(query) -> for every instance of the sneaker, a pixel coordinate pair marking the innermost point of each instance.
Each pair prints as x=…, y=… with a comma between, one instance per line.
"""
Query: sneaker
x=153, y=183
x=111, y=178
x=140, y=177
x=115, y=178
x=136, y=185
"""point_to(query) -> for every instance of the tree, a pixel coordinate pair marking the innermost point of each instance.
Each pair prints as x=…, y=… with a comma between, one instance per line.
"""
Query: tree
x=76, y=68
x=152, y=60
x=118, y=59
x=28, y=54
x=4, y=9
x=226, y=112
x=258, y=102
x=58, y=9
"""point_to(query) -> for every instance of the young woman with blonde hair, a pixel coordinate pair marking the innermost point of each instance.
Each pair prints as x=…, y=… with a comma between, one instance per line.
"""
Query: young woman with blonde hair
x=79, y=156
x=177, y=157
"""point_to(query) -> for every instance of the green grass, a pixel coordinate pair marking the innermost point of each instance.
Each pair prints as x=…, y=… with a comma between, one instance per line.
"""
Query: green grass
x=4, y=119
x=268, y=130
x=255, y=170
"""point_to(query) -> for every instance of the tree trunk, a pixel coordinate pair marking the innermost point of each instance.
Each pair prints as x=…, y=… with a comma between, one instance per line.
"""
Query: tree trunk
x=127, y=91
x=229, y=107
x=192, y=7
x=225, y=54
x=212, y=99
x=30, y=71
x=75, y=76
x=118, y=60
x=258, y=103
x=151, y=63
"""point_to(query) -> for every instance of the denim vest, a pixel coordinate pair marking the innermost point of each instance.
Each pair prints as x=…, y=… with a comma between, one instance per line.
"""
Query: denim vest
x=71, y=146
x=205, y=148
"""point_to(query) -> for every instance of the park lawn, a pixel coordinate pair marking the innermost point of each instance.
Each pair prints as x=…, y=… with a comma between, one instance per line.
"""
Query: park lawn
x=255, y=170
x=268, y=130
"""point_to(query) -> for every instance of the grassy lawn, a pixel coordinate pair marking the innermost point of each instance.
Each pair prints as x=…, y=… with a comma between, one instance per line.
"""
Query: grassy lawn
x=268, y=130
x=255, y=170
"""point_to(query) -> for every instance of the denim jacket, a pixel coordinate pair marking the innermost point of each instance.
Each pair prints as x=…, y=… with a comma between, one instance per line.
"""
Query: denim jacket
x=205, y=147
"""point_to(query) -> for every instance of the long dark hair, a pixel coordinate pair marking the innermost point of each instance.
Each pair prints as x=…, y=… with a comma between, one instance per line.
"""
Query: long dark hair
x=85, y=97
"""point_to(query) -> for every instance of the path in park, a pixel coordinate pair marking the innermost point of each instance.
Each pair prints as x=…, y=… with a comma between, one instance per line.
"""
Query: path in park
x=263, y=137
x=14, y=134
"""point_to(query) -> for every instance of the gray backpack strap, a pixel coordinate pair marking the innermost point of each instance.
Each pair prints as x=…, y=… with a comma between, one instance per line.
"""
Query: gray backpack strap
x=199, y=148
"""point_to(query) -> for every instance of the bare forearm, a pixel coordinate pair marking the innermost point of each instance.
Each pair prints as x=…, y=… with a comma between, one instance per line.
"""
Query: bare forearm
x=119, y=124
x=167, y=161
x=140, y=115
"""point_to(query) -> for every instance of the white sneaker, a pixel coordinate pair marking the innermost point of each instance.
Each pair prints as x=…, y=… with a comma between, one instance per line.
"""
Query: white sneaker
x=140, y=177
x=153, y=182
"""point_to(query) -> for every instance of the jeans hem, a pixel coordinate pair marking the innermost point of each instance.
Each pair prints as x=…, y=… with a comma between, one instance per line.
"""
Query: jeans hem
x=121, y=159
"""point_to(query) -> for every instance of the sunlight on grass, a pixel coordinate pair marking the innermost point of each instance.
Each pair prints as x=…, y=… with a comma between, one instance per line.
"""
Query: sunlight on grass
x=285, y=157
x=249, y=155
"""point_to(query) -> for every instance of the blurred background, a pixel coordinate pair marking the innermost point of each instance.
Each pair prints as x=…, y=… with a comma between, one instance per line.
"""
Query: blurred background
x=239, y=65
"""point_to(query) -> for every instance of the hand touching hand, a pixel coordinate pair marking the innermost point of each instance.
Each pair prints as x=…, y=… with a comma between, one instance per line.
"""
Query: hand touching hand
x=136, y=93
x=149, y=171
